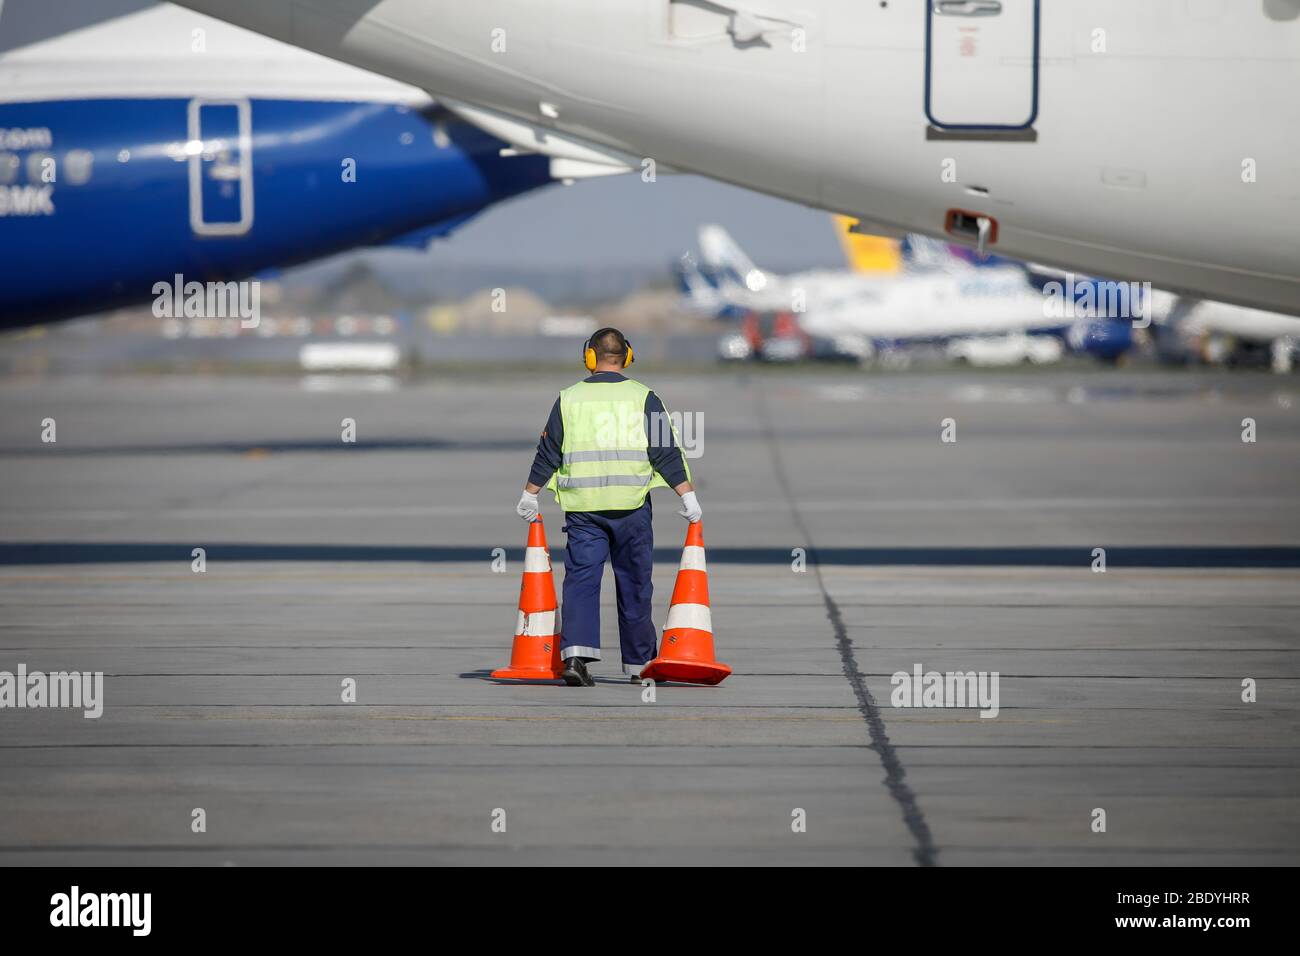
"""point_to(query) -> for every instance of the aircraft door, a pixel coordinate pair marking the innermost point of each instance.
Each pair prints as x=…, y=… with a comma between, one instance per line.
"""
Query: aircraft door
x=220, y=156
x=982, y=64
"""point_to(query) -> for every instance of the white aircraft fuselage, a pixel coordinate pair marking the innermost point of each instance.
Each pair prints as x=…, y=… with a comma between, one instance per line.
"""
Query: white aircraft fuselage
x=938, y=305
x=1149, y=140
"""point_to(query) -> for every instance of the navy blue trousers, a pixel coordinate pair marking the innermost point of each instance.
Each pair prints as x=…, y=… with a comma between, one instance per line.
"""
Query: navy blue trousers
x=626, y=540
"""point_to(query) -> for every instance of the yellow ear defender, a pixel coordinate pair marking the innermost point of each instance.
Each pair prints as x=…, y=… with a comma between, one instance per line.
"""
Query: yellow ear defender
x=589, y=353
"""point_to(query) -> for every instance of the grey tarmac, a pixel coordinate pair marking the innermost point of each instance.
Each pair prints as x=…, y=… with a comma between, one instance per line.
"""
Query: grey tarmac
x=1119, y=690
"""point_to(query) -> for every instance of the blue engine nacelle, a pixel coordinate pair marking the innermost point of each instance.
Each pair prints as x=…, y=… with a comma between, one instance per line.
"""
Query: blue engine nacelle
x=1104, y=339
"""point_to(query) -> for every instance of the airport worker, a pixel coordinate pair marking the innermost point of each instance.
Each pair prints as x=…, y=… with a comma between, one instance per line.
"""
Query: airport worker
x=607, y=443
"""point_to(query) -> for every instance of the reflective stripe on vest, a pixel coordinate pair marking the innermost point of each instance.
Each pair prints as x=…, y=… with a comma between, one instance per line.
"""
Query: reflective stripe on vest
x=611, y=455
x=603, y=481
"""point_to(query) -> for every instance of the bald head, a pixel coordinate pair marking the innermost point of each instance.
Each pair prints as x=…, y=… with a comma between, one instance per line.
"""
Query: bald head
x=610, y=345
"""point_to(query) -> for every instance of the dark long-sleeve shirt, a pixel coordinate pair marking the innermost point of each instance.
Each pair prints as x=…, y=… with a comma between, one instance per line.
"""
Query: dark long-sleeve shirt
x=665, y=455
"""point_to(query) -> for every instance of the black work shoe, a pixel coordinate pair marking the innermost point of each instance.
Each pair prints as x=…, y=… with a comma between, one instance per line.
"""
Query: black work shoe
x=575, y=673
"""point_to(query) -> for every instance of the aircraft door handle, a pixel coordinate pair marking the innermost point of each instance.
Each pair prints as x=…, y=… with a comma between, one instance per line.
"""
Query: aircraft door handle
x=966, y=8
x=984, y=225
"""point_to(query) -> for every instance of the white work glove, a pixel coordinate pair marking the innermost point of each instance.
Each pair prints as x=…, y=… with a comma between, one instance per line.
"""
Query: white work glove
x=527, y=507
x=691, y=510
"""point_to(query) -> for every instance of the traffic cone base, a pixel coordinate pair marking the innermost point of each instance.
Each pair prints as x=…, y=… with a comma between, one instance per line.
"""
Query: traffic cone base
x=536, y=651
x=686, y=672
x=686, y=651
x=547, y=650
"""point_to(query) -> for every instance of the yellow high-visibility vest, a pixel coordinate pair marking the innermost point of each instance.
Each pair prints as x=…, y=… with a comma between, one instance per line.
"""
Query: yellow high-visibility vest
x=605, y=464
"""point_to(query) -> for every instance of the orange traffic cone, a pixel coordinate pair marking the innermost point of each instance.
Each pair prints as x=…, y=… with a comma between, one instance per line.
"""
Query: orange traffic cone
x=536, y=652
x=686, y=651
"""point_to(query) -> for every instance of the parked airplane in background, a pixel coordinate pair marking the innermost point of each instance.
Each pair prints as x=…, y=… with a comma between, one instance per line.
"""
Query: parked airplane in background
x=725, y=272
x=1150, y=141
x=1217, y=332
x=926, y=295
x=735, y=279
x=160, y=143
x=1186, y=327
x=995, y=312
